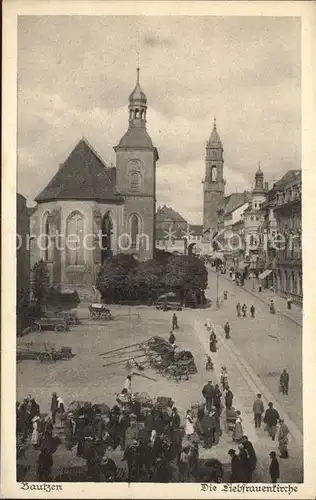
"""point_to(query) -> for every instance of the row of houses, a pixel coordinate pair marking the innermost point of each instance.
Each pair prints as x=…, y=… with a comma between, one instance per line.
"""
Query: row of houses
x=263, y=234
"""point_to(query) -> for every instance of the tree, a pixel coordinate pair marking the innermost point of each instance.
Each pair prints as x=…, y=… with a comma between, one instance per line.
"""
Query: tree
x=145, y=278
x=40, y=281
x=111, y=280
x=187, y=275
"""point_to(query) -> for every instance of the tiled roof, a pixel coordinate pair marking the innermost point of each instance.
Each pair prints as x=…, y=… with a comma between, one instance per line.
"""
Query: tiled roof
x=290, y=177
x=234, y=201
x=167, y=213
x=83, y=176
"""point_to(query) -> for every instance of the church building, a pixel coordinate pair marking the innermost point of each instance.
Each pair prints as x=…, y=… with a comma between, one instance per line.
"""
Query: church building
x=90, y=211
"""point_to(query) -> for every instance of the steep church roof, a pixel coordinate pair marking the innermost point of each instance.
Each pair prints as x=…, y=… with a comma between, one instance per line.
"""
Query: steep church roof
x=83, y=176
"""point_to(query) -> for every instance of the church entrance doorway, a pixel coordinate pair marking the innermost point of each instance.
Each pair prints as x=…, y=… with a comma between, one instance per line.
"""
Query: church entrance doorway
x=107, y=232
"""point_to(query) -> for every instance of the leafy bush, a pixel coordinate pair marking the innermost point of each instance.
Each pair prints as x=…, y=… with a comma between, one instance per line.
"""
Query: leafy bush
x=122, y=278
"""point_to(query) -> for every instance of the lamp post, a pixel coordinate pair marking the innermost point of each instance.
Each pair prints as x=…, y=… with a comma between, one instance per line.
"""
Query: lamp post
x=217, y=283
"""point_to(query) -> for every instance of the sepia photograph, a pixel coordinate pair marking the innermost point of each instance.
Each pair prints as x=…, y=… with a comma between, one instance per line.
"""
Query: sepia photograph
x=159, y=269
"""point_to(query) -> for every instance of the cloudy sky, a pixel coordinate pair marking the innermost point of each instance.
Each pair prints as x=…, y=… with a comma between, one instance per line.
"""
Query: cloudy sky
x=75, y=75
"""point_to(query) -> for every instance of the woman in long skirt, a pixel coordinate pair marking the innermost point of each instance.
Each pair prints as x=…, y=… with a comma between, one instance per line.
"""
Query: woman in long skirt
x=238, y=430
x=189, y=424
x=35, y=433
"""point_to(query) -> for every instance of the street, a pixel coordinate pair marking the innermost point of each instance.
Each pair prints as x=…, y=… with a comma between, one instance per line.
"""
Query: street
x=253, y=360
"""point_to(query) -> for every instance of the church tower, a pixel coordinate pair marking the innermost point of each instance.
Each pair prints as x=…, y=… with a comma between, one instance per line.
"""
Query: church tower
x=214, y=184
x=136, y=158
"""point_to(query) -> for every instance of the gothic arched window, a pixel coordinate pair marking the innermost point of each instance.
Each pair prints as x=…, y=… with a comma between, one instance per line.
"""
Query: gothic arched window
x=142, y=115
x=74, y=241
x=213, y=174
x=136, y=113
x=47, y=238
x=107, y=231
x=135, y=181
x=134, y=229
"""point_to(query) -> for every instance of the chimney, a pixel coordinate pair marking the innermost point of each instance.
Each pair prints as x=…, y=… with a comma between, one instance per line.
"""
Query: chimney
x=266, y=186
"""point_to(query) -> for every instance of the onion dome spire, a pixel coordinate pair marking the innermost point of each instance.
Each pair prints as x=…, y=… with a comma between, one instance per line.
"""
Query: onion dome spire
x=138, y=96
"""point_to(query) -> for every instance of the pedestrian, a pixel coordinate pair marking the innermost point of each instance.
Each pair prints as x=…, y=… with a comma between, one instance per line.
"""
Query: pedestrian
x=213, y=342
x=252, y=311
x=252, y=457
x=244, y=310
x=238, y=429
x=184, y=465
x=189, y=424
x=289, y=302
x=258, y=410
x=238, y=309
x=235, y=466
x=217, y=399
x=133, y=457
x=271, y=419
x=274, y=468
x=224, y=378
x=283, y=439
x=128, y=385
x=284, y=382
x=53, y=407
x=172, y=338
x=175, y=322
x=225, y=295
x=228, y=398
x=35, y=432
x=272, y=308
x=227, y=330
x=208, y=394
x=243, y=464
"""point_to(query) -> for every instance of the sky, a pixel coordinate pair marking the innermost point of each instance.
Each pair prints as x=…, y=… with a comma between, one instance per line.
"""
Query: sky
x=75, y=74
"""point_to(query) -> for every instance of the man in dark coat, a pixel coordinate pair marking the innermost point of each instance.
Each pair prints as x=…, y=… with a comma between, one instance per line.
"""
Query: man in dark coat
x=227, y=330
x=284, y=382
x=54, y=407
x=252, y=311
x=252, y=458
x=243, y=464
x=208, y=428
x=235, y=466
x=271, y=419
x=274, y=468
x=228, y=398
x=175, y=322
x=217, y=399
x=208, y=393
x=132, y=455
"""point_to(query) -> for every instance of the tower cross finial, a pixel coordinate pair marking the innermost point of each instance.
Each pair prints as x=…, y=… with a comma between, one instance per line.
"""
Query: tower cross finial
x=259, y=166
x=214, y=122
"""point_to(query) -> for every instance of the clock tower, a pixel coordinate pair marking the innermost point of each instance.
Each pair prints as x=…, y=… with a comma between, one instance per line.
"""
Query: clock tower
x=214, y=183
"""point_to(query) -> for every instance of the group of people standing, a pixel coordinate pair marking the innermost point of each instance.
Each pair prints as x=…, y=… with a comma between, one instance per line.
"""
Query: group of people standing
x=242, y=310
